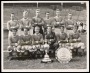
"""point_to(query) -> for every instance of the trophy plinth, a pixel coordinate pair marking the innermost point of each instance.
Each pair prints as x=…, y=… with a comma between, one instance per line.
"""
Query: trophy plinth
x=46, y=58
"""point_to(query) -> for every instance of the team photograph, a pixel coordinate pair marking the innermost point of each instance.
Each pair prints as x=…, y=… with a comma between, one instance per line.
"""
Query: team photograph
x=45, y=36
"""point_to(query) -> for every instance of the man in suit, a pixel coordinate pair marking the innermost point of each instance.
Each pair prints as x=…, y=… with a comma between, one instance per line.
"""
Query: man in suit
x=51, y=39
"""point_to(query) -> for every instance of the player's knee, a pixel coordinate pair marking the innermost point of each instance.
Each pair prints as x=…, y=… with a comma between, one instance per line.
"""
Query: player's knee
x=23, y=47
x=81, y=45
x=56, y=45
x=34, y=47
x=18, y=47
x=9, y=48
x=30, y=47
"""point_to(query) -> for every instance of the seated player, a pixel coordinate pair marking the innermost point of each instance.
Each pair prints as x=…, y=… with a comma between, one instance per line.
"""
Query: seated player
x=63, y=38
x=51, y=38
x=37, y=38
x=78, y=46
x=14, y=41
x=26, y=40
x=37, y=42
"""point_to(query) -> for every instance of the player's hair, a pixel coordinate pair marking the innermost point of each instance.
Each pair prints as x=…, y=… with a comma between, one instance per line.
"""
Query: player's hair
x=69, y=13
x=12, y=13
x=57, y=10
x=14, y=29
x=47, y=12
x=62, y=27
x=25, y=11
x=25, y=28
x=49, y=26
x=38, y=10
x=37, y=26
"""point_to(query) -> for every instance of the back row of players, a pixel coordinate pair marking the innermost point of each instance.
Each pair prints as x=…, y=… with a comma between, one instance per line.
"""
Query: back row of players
x=42, y=29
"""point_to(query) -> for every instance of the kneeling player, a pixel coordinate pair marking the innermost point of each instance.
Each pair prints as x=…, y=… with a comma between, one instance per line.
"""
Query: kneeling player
x=14, y=41
x=63, y=38
x=78, y=46
x=37, y=41
x=26, y=40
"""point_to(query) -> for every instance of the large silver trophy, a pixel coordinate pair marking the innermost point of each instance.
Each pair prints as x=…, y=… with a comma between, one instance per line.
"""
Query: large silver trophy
x=46, y=58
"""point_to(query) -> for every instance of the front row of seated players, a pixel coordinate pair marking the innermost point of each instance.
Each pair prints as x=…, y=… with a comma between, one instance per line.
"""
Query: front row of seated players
x=26, y=41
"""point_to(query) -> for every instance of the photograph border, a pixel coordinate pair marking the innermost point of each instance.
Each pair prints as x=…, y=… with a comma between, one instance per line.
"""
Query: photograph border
x=43, y=70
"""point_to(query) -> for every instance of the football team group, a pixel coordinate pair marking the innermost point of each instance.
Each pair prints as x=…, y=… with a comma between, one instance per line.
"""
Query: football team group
x=21, y=40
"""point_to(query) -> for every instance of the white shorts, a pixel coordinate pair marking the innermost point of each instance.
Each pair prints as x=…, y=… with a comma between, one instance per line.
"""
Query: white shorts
x=9, y=34
x=20, y=32
x=77, y=45
x=26, y=47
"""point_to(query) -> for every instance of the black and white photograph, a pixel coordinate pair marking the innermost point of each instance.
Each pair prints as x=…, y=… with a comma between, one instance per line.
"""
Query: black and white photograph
x=45, y=36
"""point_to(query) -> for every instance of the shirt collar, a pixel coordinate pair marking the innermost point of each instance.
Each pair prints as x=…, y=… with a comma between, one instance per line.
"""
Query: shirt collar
x=37, y=34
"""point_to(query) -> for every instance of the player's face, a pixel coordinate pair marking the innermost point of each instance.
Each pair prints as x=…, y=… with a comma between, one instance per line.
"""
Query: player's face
x=47, y=15
x=57, y=13
x=37, y=30
x=49, y=29
x=12, y=16
x=62, y=29
x=75, y=29
x=25, y=31
x=14, y=32
x=37, y=13
x=25, y=15
x=69, y=16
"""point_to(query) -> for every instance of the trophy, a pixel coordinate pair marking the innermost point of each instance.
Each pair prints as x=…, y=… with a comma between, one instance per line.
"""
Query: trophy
x=46, y=58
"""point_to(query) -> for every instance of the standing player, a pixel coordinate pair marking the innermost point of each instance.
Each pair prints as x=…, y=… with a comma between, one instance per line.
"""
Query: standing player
x=69, y=24
x=57, y=20
x=24, y=22
x=12, y=24
x=47, y=20
x=37, y=20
